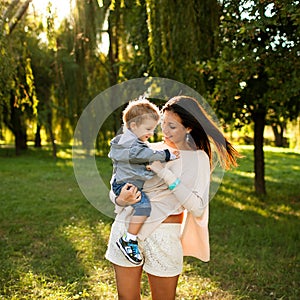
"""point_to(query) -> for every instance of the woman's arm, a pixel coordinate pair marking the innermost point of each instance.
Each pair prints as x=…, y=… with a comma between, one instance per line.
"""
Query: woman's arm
x=192, y=191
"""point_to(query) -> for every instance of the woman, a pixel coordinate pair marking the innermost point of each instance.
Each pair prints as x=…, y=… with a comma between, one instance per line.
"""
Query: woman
x=180, y=185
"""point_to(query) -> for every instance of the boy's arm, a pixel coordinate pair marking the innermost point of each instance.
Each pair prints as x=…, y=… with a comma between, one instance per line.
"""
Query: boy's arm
x=141, y=153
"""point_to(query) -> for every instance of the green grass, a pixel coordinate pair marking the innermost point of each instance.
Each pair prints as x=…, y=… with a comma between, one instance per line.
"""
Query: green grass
x=52, y=240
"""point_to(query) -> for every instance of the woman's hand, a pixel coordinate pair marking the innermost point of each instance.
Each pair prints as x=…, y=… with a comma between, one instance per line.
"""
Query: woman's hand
x=129, y=195
x=155, y=167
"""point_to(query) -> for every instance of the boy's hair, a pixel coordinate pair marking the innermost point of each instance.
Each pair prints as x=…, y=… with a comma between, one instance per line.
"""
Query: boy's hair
x=139, y=110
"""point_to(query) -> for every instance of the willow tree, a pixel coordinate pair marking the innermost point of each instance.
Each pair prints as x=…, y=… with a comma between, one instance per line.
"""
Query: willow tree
x=163, y=38
x=77, y=58
x=149, y=38
x=18, y=96
x=138, y=60
x=42, y=55
x=80, y=71
x=181, y=37
x=128, y=39
x=11, y=14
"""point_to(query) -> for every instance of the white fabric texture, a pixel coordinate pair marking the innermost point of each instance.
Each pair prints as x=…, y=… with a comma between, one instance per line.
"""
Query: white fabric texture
x=162, y=250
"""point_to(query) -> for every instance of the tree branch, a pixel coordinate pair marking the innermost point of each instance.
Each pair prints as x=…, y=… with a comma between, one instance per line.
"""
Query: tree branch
x=18, y=16
x=5, y=12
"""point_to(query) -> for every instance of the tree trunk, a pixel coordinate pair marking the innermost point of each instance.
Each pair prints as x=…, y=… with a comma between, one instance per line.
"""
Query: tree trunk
x=278, y=134
x=37, y=138
x=259, y=163
x=51, y=133
x=20, y=140
x=113, y=57
x=297, y=133
x=17, y=126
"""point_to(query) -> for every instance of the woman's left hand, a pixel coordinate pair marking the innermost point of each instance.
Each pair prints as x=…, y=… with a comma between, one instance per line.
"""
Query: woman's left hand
x=155, y=167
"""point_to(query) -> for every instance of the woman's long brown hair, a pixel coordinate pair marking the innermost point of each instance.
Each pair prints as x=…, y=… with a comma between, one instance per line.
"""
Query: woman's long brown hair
x=204, y=130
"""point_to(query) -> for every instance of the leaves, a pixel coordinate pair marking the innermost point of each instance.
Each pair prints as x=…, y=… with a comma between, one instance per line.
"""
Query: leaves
x=260, y=47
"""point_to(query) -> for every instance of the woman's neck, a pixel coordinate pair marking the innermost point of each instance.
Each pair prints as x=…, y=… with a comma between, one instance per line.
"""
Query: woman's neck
x=181, y=146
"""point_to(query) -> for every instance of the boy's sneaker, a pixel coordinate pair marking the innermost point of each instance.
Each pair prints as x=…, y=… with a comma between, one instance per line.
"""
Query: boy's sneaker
x=131, y=251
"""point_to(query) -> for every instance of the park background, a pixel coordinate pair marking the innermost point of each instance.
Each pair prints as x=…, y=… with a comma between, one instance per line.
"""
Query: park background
x=56, y=56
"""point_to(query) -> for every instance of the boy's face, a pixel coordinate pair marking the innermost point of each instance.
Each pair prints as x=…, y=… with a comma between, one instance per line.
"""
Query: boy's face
x=145, y=130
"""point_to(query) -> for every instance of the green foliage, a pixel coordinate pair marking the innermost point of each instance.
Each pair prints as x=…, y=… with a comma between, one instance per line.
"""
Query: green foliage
x=7, y=69
x=22, y=87
x=6, y=66
x=65, y=71
x=258, y=67
x=256, y=75
x=146, y=38
x=19, y=99
x=135, y=22
x=181, y=36
x=53, y=241
x=80, y=72
x=31, y=86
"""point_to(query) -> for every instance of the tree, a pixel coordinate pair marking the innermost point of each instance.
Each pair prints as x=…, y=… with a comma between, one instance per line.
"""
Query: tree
x=258, y=49
x=18, y=93
x=12, y=14
x=18, y=15
x=22, y=103
x=181, y=37
x=257, y=71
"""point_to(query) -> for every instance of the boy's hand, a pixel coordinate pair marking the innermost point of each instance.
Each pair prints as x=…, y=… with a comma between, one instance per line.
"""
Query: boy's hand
x=174, y=155
x=155, y=167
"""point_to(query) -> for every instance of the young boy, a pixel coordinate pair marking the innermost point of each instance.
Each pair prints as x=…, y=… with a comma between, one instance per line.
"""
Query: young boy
x=130, y=155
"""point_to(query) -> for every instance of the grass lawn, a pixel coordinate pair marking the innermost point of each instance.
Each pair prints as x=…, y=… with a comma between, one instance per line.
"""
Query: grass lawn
x=52, y=240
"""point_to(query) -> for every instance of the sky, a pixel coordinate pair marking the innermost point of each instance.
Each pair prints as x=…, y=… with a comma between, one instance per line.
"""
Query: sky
x=61, y=7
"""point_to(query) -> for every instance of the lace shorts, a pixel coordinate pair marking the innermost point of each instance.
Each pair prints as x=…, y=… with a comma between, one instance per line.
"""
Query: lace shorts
x=162, y=250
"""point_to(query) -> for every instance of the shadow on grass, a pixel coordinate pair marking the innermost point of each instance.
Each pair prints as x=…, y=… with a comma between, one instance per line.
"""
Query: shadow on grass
x=252, y=256
x=53, y=241
x=51, y=238
x=254, y=239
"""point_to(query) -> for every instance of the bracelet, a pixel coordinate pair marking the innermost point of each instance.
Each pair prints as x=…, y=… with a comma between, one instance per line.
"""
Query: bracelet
x=174, y=184
x=116, y=197
x=118, y=203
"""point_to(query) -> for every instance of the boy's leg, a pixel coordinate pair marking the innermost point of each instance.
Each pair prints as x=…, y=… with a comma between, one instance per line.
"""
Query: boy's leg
x=130, y=249
x=136, y=223
x=142, y=211
x=128, y=243
x=117, y=187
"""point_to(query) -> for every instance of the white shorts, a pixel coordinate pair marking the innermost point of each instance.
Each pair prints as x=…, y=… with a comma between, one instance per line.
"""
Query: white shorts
x=162, y=250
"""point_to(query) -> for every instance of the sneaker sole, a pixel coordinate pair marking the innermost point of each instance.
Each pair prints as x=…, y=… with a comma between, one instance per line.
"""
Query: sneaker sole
x=125, y=254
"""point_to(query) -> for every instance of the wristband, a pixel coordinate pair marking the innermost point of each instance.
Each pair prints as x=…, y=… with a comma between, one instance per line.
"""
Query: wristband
x=168, y=155
x=118, y=203
x=174, y=184
x=116, y=197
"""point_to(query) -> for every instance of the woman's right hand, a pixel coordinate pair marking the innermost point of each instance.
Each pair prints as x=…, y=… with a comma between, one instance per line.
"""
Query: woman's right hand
x=129, y=195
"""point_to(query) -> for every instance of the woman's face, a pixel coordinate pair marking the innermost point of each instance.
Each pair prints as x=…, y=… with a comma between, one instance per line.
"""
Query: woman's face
x=173, y=130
